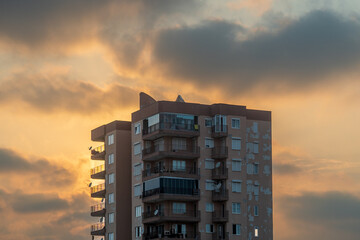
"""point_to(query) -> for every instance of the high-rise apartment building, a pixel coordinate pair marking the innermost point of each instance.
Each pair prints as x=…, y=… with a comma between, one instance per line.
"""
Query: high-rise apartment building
x=195, y=172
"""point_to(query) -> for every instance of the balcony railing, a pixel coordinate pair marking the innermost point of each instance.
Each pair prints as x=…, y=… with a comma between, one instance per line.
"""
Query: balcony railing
x=96, y=172
x=180, y=194
x=185, y=151
x=98, y=153
x=220, y=216
x=219, y=152
x=172, y=128
x=98, y=210
x=171, y=234
x=171, y=171
x=168, y=214
x=221, y=195
x=220, y=236
x=219, y=131
x=98, y=191
x=98, y=229
x=219, y=173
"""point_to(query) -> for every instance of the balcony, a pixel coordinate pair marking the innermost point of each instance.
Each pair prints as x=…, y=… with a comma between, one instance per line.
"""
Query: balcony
x=220, y=236
x=98, y=191
x=158, y=195
x=167, y=215
x=220, y=173
x=157, y=152
x=98, y=172
x=98, y=210
x=171, y=235
x=220, y=216
x=219, y=152
x=219, y=196
x=219, y=131
x=188, y=172
x=98, y=153
x=98, y=229
x=171, y=129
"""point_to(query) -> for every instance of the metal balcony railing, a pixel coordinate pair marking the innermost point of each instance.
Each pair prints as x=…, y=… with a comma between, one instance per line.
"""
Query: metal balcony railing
x=97, y=227
x=97, y=188
x=176, y=148
x=171, y=234
x=98, y=149
x=171, y=170
x=219, y=152
x=97, y=207
x=97, y=169
x=171, y=126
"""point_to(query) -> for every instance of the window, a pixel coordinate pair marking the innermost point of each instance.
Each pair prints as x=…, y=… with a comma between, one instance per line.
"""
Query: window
x=137, y=128
x=179, y=165
x=208, y=122
x=137, y=148
x=111, y=198
x=137, y=169
x=178, y=144
x=209, y=185
x=209, y=228
x=111, y=139
x=138, y=211
x=111, y=158
x=111, y=178
x=111, y=236
x=256, y=168
x=255, y=127
x=256, y=147
x=209, y=143
x=236, y=229
x=256, y=190
x=256, y=231
x=209, y=164
x=209, y=207
x=236, y=186
x=137, y=190
x=235, y=123
x=236, y=208
x=179, y=208
x=138, y=232
x=256, y=210
x=236, y=143
x=236, y=165
x=111, y=217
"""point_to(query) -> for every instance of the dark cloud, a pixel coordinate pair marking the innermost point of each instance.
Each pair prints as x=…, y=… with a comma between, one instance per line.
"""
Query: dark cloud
x=313, y=46
x=286, y=169
x=49, y=94
x=337, y=212
x=46, y=173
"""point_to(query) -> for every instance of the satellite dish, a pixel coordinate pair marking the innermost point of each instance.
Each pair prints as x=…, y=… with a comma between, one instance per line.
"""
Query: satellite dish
x=90, y=147
x=218, y=164
x=90, y=184
x=101, y=219
x=102, y=200
x=156, y=212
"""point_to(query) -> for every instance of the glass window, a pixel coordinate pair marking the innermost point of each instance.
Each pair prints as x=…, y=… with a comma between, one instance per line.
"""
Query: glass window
x=236, y=143
x=178, y=144
x=138, y=211
x=235, y=123
x=111, y=217
x=137, y=190
x=137, y=169
x=256, y=231
x=179, y=165
x=236, y=165
x=111, y=198
x=111, y=236
x=111, y=139
x=179, y=208
x=138, y=232
x=111, y=158
x=209, y=164
x=236, y=186
x=209, y=143
x=256, y=147
x=256, y=190
x=256, y=210
x=137, y=148
x=137, y=128
x=236, y=208
x=209, y=228
x=208, y=122
x=256, y=168
x=255, y=127
x=111, y=178
x=236, y=229
x=209, y=207
x=209, y=185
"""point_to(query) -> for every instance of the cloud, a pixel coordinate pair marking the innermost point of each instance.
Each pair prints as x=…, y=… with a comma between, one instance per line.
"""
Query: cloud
x=58, y=93
x=286, y=169
x=312, y=47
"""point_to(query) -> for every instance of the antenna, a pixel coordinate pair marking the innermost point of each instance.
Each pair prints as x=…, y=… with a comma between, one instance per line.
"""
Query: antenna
x=156, y=212
x=90, y=184
x=218, y=164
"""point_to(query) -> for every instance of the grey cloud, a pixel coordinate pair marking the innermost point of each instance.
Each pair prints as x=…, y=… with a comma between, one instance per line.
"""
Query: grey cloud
x=313, y=46
x=286, y=169
x=49, y=94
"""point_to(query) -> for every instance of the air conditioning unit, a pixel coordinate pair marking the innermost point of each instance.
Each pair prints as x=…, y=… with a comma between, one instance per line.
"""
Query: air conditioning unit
x=166, y=233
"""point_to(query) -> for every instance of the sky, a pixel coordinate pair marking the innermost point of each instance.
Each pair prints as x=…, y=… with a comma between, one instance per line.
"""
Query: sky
x=68, y=66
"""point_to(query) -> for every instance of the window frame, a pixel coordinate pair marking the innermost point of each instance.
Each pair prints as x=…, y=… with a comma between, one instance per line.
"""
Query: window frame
x=111, y=139
x=237, y=207
x=232, y=143
x=232, y=123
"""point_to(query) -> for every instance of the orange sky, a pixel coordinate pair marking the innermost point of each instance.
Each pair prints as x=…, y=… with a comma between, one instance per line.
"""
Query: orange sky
x=66, y=68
